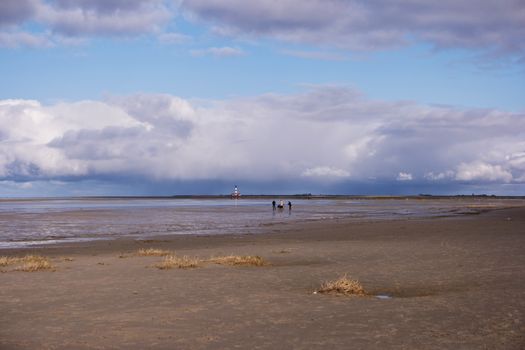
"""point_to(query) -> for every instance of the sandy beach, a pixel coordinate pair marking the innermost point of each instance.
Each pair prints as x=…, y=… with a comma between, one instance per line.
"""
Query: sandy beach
x=453, y=283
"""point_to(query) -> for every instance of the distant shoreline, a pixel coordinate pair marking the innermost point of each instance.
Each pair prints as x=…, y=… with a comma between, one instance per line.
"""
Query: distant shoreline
x=273, y=196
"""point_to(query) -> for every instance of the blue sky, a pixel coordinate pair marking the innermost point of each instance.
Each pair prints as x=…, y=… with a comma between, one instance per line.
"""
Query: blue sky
x=161, y=97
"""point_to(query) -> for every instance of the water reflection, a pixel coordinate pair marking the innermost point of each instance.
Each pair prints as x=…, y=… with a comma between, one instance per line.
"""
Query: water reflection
x=55, y=220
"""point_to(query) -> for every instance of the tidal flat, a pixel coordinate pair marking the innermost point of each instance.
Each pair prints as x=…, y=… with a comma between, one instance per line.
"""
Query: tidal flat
x=450, y=283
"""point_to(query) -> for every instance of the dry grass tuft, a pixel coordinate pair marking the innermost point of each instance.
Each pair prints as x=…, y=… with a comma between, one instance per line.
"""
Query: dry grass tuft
x=28, y=263
x=153, y=252
x=343, y=285
x=6, y=260
x=172, y=261
x=31, y=263
x=238, y=260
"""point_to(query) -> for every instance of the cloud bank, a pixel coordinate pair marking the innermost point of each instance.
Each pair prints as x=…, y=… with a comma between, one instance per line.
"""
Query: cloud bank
x=328, y=133
x=373, y=25
x=494, y=27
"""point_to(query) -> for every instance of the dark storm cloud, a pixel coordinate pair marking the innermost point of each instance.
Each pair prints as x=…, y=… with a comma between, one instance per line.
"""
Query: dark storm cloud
x=20, y=169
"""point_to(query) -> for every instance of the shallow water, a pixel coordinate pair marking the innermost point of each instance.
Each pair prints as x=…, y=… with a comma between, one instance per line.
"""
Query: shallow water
x=48, y=221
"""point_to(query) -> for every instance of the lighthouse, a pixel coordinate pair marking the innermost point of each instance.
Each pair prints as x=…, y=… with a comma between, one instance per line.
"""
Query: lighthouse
x=236, y=194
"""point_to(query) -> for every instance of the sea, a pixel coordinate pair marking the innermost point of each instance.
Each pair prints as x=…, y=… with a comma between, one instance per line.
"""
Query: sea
x=47, y=221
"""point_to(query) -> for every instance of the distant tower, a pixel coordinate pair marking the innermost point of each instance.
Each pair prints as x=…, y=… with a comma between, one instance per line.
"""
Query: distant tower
x=236, y=194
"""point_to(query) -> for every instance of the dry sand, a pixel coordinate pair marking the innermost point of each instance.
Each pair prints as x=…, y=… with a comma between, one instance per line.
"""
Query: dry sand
x=456, y=283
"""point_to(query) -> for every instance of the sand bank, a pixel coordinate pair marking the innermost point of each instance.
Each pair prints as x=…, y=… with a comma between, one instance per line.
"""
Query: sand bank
x=455, y=283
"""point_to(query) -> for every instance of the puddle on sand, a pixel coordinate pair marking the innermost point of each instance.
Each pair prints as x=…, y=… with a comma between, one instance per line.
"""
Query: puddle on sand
x=383, y=297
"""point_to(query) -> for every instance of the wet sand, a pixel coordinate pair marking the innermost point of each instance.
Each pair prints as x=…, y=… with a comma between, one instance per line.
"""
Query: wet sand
x=456, y=283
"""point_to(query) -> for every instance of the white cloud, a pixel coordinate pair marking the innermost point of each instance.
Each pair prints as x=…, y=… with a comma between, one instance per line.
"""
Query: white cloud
x=480, y=171
x=64, y=20
x=324, y=132
x=26, y=185
x=24, y=39
x=362, y=147
x=516, y=160
x=446, y=175
x=404, y=176
x=225, y=51
x=17, y=185
x=325, y=171
x=78, y=18
x=315, y=55
x=173, y=38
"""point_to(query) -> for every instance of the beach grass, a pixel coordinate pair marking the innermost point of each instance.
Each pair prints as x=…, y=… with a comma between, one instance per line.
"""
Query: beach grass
x=28, y=263
x=6, y=261
x=153, y=252
x=172, y=261
x=31, y=263
x=343, y=285
x=239, y=260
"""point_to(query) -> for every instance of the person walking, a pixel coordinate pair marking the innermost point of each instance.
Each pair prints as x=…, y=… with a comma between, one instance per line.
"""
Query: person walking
x=289, y=206
x=273, y=205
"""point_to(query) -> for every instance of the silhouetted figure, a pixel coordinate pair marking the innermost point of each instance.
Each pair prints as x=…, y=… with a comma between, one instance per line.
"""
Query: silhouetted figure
x=289, y=206
x=273, y=205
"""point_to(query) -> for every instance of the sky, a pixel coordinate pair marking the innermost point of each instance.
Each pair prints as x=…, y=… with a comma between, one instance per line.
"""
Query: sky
x=165, y=97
